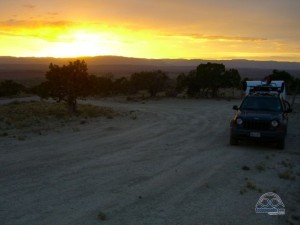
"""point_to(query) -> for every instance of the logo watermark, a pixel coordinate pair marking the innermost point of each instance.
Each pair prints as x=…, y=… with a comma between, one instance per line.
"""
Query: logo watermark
x=271, y=204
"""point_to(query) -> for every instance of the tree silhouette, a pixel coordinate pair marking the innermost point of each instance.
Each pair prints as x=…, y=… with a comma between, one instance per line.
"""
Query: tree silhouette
x=211, y=74
x=121, y=86
x=152, y=81
x=281, y=75
x=244, y=83
x=102, y=86
x=232, y=79
x=10, y=88
x=205, y=80
x=181, y=82
x=66, y=83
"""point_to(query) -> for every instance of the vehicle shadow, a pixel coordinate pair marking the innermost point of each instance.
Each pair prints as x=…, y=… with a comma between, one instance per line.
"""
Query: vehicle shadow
x=258, y=145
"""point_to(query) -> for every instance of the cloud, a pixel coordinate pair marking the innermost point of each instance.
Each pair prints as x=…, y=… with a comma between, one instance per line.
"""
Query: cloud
x=216, y=37
x=229, y=38
x=53, y=13
x=29, y=6
x=34, y=23
x=14, y=24
x=46, y=30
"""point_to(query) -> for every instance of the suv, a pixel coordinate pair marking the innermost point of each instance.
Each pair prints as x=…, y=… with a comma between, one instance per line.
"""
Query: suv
x=262, y=115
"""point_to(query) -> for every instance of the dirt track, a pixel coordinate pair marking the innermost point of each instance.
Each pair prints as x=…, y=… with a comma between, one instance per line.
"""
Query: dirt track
x=167, y=163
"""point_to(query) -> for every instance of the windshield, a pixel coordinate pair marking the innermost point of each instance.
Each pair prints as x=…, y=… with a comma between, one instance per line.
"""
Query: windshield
x=262, y=104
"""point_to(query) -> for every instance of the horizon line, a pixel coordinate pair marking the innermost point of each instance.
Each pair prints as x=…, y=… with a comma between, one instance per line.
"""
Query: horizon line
x=129, y=57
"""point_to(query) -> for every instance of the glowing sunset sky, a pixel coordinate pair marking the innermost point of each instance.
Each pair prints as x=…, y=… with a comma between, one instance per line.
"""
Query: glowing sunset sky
x=207, y=29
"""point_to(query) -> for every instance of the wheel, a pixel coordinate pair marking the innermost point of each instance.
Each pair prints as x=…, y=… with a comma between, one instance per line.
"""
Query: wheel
x=233, y=141
x=281, y=144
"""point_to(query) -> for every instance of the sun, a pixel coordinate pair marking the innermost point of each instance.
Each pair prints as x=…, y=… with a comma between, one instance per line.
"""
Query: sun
x=80, y=43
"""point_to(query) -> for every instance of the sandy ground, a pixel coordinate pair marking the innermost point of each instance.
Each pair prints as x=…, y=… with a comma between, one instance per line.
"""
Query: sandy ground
x=168, y=163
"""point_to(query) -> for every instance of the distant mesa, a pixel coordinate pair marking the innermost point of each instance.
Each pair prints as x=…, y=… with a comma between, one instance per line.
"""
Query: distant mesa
x=32, y=67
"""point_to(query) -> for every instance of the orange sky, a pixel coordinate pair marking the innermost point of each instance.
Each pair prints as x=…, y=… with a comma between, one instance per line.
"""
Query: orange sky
x=207, y=29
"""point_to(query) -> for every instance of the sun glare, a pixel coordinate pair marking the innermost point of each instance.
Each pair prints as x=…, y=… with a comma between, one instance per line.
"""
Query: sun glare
x=79, y=43
x=93, y=42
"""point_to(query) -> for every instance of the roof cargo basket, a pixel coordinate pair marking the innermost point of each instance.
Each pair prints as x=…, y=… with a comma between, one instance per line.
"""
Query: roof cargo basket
x=264, y=88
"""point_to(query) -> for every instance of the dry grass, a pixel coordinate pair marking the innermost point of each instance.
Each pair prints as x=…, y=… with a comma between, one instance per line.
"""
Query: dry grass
x=40, y=115
x=287, y=175
x=261, y=166
x=287, y=163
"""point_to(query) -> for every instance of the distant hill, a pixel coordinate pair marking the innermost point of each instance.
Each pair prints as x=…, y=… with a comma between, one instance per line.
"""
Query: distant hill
x=30, y=67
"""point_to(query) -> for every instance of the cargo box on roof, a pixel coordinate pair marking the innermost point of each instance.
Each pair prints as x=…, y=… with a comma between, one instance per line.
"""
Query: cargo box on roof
x=276, y=86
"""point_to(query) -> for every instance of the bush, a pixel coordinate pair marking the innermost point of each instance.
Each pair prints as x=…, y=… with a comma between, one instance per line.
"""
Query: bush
x=10, y=88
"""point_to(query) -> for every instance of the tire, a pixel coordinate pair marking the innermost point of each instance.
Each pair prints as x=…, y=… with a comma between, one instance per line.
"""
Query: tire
x=233, y=141
x=281, y=144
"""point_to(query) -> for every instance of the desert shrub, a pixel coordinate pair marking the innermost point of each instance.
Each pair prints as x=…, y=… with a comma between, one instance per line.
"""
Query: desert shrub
x=66, y=83
x=10, y=88
x=152, y=81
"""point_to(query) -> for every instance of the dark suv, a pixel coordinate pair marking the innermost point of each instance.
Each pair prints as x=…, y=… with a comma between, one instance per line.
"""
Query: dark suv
x=260, y=117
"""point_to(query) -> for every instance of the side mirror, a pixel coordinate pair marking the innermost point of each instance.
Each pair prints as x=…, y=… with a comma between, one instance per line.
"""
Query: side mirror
x=235, y=107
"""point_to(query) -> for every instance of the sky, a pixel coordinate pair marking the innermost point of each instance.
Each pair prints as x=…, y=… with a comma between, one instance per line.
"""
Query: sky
x=191, y=29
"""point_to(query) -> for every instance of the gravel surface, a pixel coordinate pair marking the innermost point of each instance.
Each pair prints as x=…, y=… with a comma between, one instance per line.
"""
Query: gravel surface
x=168, y=162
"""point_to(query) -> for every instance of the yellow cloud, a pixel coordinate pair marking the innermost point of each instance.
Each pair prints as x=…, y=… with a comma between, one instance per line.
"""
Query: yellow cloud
x=46, y=30
x=215, y=37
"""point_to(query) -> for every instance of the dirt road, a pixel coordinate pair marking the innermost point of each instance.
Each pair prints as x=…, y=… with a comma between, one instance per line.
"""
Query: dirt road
x=169, y=162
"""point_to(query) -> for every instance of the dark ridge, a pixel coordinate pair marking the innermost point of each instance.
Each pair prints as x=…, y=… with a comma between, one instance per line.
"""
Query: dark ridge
x=31, y=67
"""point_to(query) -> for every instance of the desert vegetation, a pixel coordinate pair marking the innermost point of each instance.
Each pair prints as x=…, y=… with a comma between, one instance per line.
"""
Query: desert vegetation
x=41, y=116
x=10, y=88
x=207, y=80
x=68, y=83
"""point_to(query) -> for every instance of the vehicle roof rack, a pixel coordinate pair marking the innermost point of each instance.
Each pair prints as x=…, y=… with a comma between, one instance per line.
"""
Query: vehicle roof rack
x=258, y=87
x=265, y=90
